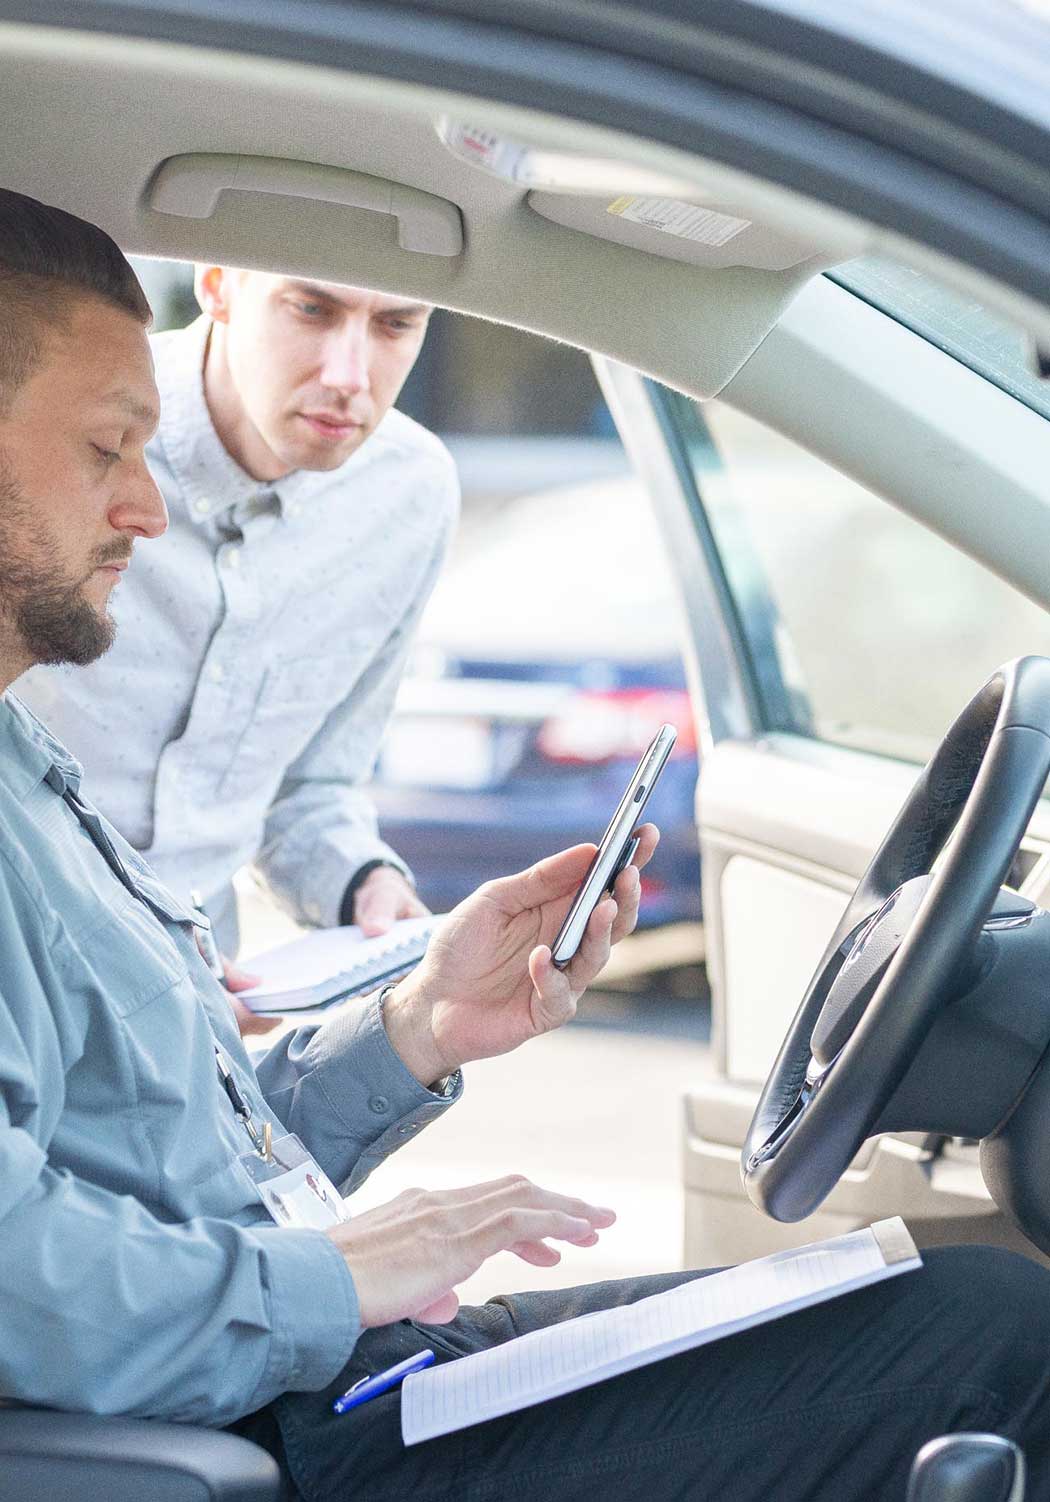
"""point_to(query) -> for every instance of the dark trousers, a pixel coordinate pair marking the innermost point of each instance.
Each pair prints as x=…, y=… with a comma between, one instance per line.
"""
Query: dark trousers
x=831, y=1402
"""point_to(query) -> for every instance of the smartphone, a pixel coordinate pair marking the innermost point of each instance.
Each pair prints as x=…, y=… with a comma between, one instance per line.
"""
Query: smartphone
x=618, y=844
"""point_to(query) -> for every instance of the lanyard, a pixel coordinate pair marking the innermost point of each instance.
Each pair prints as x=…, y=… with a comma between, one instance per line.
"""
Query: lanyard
x=243, y=1111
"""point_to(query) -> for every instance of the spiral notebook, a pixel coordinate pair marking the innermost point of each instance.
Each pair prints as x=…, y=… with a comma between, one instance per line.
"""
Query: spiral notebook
x=578, y=1352
x=330, y=964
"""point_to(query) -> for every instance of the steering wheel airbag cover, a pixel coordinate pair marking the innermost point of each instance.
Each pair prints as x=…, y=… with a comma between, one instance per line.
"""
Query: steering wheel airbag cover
x=871, y=952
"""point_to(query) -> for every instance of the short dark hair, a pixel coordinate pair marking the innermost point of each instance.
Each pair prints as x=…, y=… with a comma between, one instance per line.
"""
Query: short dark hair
x=47, y=258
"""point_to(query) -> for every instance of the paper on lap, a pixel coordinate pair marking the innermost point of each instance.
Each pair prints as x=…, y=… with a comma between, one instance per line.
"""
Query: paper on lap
x=565, y=1357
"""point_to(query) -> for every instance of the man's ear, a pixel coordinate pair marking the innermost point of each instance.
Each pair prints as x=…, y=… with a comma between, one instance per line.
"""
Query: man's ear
x=213, y=286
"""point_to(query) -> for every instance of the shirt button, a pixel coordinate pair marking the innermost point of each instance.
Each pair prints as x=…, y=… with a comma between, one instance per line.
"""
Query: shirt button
x=295, y=509
x=216, y=672
x=379, y=1104
x=202, y=508
x=232, y=557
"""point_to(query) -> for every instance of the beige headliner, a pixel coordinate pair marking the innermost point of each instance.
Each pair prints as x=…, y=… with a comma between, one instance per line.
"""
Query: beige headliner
x=87, y=120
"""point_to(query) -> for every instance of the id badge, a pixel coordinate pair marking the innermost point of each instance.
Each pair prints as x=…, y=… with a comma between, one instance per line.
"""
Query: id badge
x=292, y=1186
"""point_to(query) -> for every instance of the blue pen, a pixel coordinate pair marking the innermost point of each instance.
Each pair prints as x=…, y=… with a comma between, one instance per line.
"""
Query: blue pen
x=371, y=1387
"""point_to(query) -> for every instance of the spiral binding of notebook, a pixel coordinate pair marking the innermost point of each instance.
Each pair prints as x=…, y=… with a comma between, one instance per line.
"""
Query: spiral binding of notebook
x=329, y=965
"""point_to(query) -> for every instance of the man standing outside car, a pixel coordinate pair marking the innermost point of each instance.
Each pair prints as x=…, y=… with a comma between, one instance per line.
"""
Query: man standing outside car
x=238, y=716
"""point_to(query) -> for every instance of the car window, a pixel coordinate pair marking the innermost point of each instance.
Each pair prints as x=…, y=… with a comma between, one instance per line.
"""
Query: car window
x=961, y=326
x=550, y=651
x=850, y=595
x=548, y=656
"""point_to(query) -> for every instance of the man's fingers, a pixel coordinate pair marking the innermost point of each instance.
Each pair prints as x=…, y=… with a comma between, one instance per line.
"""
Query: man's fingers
x=521, y=1213
x=558, y=991
x=554, y=877
x=628, y=894
x=502, y=1231
x=648, y=839
x=383, y=897
x=238, y=980
x=514, y=1189
x=538, y=1253
x=374, y=921
x=595, y=946
x=551, y=985
x=407, y=1257
x=249, y=1022
x=378, y=914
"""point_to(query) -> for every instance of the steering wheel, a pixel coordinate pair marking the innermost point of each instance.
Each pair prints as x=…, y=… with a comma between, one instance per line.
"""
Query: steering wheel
x=888, y=972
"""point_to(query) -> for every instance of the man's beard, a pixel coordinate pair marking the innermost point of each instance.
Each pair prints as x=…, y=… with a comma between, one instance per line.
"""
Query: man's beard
x=54, y=620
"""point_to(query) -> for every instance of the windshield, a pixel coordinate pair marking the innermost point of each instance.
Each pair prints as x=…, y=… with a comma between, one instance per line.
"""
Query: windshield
x=963, y=328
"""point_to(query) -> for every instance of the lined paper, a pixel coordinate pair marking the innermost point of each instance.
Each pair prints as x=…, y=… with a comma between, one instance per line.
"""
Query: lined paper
x=547, y=1363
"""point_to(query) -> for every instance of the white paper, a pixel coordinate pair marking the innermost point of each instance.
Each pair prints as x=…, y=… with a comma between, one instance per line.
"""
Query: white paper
x=547, y=1363
x=325, y=961
x=686, y=220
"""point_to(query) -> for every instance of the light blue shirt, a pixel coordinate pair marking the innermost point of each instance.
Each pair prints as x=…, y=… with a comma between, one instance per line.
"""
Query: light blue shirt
x=139, y=1273
x=259, y=648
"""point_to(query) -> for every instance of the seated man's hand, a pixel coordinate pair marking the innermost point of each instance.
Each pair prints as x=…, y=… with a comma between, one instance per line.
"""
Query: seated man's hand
x=408, y=1256
x=487, y=982
x=382, y=898
x=248, y=1022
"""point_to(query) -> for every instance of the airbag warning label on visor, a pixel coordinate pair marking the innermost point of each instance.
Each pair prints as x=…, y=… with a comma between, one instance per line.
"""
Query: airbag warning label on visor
x=686, y=220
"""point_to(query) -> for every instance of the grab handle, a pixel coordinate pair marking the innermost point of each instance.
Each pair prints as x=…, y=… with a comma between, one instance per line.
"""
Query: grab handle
x=190, y=186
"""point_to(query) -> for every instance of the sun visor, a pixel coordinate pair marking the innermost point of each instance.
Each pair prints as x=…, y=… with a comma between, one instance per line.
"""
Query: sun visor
x=679, y=230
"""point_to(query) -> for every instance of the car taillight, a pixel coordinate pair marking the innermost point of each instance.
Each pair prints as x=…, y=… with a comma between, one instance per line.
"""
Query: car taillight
x=599, y=727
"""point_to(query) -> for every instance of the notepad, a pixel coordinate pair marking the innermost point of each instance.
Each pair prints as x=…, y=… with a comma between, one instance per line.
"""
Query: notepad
x=329, y=964
x=547, y=1363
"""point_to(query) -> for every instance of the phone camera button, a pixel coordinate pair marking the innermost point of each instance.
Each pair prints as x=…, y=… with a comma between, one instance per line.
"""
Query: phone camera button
x=640, y=794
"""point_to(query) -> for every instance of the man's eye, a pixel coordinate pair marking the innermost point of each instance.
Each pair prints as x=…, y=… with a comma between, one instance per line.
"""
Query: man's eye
x=311, y=309
x=108, y=456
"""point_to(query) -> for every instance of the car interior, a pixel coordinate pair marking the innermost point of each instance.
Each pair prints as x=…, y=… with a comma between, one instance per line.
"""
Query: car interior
x=695, y=286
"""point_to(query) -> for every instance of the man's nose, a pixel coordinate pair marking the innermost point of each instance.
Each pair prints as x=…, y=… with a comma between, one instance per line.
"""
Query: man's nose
x=139, y=506
x=345, y=366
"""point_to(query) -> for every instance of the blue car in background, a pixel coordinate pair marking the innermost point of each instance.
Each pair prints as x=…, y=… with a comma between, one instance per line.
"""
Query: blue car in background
x=545, y=662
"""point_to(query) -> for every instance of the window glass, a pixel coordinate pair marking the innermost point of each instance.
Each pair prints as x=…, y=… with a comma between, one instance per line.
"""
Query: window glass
x=550, y=650
x=959, y=325
x=881, y=630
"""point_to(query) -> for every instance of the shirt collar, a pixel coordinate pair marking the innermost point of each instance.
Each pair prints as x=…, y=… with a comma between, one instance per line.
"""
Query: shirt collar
x=30, y=754
x=210, y=479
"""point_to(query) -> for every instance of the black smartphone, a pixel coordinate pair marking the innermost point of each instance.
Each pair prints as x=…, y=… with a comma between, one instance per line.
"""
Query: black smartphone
x=617, y=847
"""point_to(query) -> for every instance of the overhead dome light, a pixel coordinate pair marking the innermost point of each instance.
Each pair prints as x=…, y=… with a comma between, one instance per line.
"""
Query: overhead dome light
x=536, y=167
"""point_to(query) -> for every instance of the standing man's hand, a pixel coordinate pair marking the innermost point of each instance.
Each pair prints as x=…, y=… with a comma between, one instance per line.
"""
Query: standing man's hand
x=487, y=982
x=382, y=898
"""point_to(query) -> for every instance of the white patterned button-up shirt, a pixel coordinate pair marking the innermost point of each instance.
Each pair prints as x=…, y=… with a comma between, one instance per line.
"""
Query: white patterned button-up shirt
x=259, y=647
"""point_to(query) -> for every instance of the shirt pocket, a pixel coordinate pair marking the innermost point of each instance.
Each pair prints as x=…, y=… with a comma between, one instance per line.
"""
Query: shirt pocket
x=132, y=954
x=160, y=1125
x=294, y=699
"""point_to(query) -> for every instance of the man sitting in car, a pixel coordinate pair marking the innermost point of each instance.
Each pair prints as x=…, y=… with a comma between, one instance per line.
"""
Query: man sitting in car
x=141, y=1272
x=238, y=715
